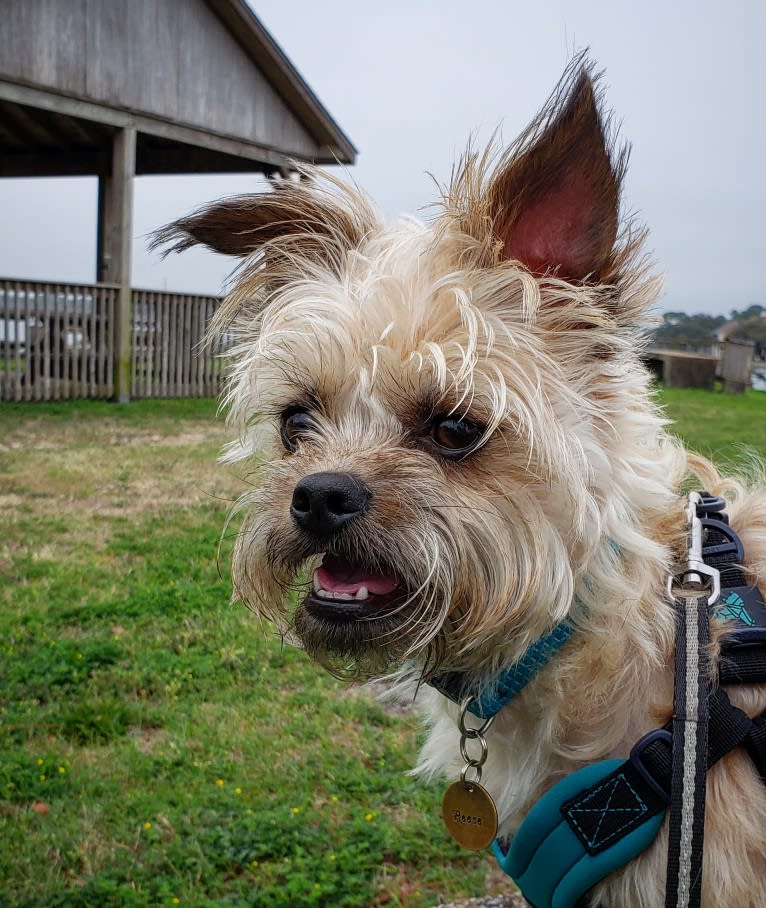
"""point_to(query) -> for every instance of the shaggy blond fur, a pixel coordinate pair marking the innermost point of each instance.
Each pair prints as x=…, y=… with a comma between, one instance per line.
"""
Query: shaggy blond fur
x=518, y=309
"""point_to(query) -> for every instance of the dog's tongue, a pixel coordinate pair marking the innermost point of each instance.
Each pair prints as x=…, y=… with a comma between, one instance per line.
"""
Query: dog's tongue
x=338, y=575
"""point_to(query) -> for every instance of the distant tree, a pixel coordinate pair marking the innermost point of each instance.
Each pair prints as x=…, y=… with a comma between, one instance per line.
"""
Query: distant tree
x=700, y=328
x=755, y=310
x=678, y=326
x=752, y=329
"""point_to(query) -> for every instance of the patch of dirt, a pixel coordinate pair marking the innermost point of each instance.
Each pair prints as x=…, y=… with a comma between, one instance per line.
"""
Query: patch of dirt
x=102, y=470
x=499, y=891
x=27, y=439
x=146, y=738
x=500, y=885
x=385, y=693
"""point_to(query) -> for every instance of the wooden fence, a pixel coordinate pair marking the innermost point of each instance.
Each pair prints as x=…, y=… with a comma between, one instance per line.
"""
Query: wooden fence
x=171, y=357
x=57, y=342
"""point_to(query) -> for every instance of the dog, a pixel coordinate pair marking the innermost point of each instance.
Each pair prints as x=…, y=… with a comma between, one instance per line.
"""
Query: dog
x=459, y=450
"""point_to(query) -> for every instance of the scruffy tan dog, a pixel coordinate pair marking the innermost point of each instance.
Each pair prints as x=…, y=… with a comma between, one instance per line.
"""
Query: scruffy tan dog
x=459, y=450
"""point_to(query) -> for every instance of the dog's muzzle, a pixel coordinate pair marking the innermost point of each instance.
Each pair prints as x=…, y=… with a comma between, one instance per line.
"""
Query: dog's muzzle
x=356, y=597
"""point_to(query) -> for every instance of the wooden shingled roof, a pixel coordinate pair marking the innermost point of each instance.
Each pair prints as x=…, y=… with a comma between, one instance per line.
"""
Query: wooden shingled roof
x=203, y=83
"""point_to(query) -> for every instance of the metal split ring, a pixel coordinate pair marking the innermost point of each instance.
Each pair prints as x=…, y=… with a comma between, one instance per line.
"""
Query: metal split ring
x=466, y=730
x=467, y=733
x=474, y=761
x=464, y=770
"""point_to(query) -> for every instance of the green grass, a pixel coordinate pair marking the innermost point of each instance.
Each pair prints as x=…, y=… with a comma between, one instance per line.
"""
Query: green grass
x=724, y=427
x=158, y=746
x=161, y=413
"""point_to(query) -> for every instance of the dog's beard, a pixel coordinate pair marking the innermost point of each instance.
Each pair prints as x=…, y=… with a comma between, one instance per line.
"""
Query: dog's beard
x=443, y=585
x=386, y=598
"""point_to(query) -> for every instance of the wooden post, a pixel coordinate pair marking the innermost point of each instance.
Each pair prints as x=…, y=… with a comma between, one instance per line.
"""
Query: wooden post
x=737, y=364
x=115, y=230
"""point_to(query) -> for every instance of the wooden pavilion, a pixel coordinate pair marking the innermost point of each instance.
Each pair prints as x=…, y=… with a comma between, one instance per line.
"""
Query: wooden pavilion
x=116, y=89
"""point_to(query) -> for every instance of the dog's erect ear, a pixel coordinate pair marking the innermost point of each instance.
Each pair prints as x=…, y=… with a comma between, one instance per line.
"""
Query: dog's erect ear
x=554, y=201
x=310, y=211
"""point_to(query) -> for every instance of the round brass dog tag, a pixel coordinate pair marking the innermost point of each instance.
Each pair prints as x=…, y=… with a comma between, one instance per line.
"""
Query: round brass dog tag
x=470, y=815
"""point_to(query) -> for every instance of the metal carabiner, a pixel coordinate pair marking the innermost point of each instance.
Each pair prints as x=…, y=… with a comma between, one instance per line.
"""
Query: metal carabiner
x=694, y=576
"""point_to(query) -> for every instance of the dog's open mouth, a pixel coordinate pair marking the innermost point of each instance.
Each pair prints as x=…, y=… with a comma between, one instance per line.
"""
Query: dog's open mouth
x=354, y=612
x=345, y=591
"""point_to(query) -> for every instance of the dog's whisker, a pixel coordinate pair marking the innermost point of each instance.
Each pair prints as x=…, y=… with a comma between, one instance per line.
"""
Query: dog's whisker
x=442, y=506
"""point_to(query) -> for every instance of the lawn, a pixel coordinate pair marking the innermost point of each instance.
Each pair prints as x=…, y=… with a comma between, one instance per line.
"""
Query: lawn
x=727, y=428
x=158, y=746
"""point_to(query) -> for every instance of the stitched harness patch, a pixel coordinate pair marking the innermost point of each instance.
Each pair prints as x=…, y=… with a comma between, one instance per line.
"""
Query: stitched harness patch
x=605, y=813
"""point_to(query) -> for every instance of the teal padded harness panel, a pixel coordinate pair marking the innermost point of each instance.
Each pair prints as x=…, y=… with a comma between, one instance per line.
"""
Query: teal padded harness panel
x=550, y=862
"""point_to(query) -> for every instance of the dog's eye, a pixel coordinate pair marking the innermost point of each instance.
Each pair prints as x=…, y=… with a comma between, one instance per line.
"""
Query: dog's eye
x=295, y=424
x=455, y=435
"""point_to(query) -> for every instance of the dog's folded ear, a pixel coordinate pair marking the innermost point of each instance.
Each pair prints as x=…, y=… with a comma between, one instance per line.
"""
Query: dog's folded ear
x=309, y=211
x=554, y=201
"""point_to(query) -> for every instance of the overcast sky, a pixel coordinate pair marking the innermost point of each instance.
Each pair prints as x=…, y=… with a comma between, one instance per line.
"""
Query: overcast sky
x=410, y=80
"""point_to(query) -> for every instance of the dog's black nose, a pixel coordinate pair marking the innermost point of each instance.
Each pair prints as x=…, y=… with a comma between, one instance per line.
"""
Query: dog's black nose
x=323, y=503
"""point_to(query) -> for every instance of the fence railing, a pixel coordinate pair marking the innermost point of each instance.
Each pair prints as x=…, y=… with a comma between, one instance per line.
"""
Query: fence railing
x=171, y=355
x=57, y=342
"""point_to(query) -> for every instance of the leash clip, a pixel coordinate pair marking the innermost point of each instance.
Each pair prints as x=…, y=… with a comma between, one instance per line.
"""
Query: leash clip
x=695, y=576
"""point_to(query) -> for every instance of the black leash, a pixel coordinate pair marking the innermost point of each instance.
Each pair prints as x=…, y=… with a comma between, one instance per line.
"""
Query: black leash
x=689, y=754
x=714, y=549
x=695, y=587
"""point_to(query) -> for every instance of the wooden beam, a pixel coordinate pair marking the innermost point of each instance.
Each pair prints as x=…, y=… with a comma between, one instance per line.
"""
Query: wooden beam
x=102, y=213
x=23, y=121
x=259, y=45
x=177, y=158
x=153, y=126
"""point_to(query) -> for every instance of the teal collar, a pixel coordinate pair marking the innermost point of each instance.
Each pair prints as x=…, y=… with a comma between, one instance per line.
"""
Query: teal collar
x=490, y=698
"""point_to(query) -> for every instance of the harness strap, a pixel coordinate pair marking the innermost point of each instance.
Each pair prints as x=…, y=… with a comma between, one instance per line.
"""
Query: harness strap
x=649, y=769
x=743, y=661
x=755, y=744
x=562, y=850
x=690, y=752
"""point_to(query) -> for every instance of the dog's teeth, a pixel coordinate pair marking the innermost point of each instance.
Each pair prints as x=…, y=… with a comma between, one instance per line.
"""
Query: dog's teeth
x=317, y=584
x=361, y=593
x=329, y=594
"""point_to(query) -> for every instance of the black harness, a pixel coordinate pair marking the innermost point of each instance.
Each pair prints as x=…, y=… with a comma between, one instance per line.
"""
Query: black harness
x=618, y=815
x=604, y=815
x=705, y=725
